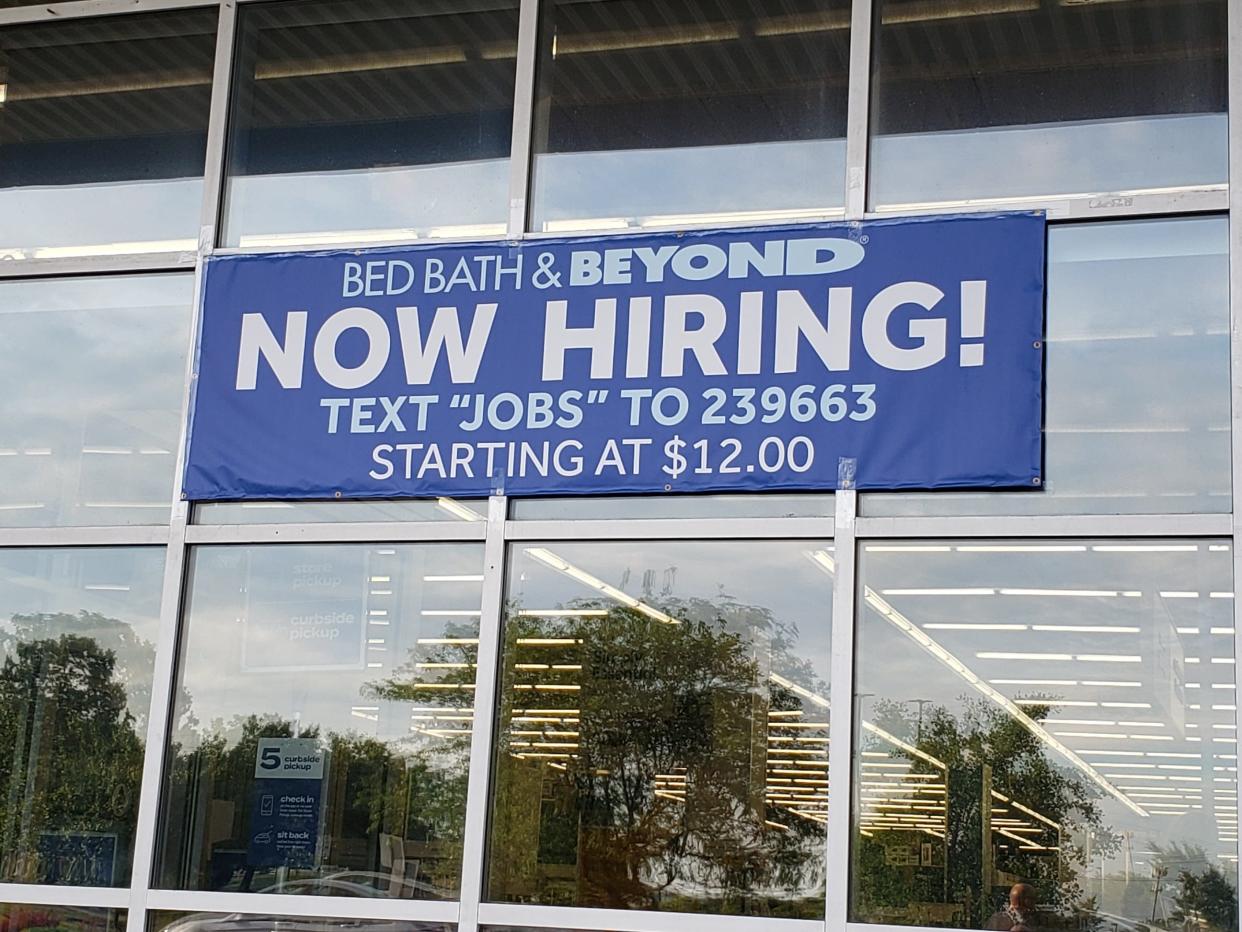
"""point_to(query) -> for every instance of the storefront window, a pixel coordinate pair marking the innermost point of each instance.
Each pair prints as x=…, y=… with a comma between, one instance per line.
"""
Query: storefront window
x=92, y=373
x=680, y=113
x=1046, y=735
x=371, y=121
x=77, y=652
x=1136, y=381
x=663, y=738
x=103, y=127
x=1018, y=98
x=321, y=731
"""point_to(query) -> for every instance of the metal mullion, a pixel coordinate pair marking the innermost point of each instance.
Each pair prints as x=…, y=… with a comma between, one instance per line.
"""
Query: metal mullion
x=99, y=265
x=487, y=679
x=857, y=120
x=46, y=894
x=672, y=529
x=1234, y=57
x=377, y=532
x=626, y=920
x=157, y=722
x=119, y=536
x=284, y=904
x=217, y=130
x=841, y=724
x=523, y=114
x=1015, y=526
x=83, y=9
x=166, y=647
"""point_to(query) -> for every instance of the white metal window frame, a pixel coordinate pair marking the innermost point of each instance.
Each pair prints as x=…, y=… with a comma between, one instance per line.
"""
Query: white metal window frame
x=847, y=527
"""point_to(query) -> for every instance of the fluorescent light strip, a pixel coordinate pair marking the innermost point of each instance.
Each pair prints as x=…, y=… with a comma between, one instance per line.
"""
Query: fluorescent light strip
x=1073, y=593
x=964, y=626
x=908, y=748
x=940, y=592
x=1020, y=548
x=1089, y=629
x=1033, y=682
x=801, y=691
x=458, y=510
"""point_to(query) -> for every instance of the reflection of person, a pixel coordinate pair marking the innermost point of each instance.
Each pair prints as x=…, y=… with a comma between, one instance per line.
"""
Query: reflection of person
x=1019, y=914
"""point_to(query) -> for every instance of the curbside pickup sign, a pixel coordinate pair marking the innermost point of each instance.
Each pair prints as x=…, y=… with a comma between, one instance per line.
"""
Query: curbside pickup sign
x=888, y=354
x=285, y=803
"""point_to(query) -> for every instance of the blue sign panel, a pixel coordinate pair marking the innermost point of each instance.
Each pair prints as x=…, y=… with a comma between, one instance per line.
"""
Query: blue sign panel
x=285, y=803
x=884, y=355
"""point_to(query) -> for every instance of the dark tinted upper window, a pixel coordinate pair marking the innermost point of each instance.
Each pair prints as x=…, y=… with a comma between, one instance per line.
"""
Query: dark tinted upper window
x=380, y=120
x=648, y=113
x=104, y=121
x=1018, y=98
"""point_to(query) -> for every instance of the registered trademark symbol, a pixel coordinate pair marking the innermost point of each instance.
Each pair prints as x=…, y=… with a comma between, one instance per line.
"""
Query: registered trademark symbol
x=864, y=239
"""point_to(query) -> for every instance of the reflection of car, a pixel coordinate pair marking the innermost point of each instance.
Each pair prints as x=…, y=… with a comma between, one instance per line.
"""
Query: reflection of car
x=242, y=922
x=1111, y=922
x=360, y=884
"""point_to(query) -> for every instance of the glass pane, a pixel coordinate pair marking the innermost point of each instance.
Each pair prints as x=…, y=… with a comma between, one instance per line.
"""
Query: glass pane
x=92, y=372
x=676, y=113
x=1137, y=377
x=674, y=506
x=77, y=641
x=104, y=121
x=443, y=509
x=1046, y=735
x=322, y=720
x=1019, y=98
x=663, y=737
x=17, y=917
x=168, y=921
x=371, y=120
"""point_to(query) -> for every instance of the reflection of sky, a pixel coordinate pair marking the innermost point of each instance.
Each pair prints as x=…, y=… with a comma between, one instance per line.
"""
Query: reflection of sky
x=241, y=657
x=1088, y=157
x=460, y=199
x=1137, y=375
x=92, y=378
x=776, y=576
x=1173, y=602
x=120, y=583
x=298, y=512
x=661, y=184
x=122, y=216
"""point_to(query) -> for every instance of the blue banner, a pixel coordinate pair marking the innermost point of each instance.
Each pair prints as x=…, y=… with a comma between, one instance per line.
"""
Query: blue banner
x=888, y=354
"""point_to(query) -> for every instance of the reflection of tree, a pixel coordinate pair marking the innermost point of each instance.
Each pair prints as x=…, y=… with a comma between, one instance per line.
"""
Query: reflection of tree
x=70, y=755
x=632, y=769
x=985, y=752
x=1206, y=899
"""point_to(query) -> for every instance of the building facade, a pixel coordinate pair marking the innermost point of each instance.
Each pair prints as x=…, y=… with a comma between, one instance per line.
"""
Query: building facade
x=768, y=712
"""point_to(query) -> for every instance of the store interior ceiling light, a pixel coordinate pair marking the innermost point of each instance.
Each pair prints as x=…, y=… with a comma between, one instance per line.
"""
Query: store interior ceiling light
x=548, y=558
x=458, y=510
